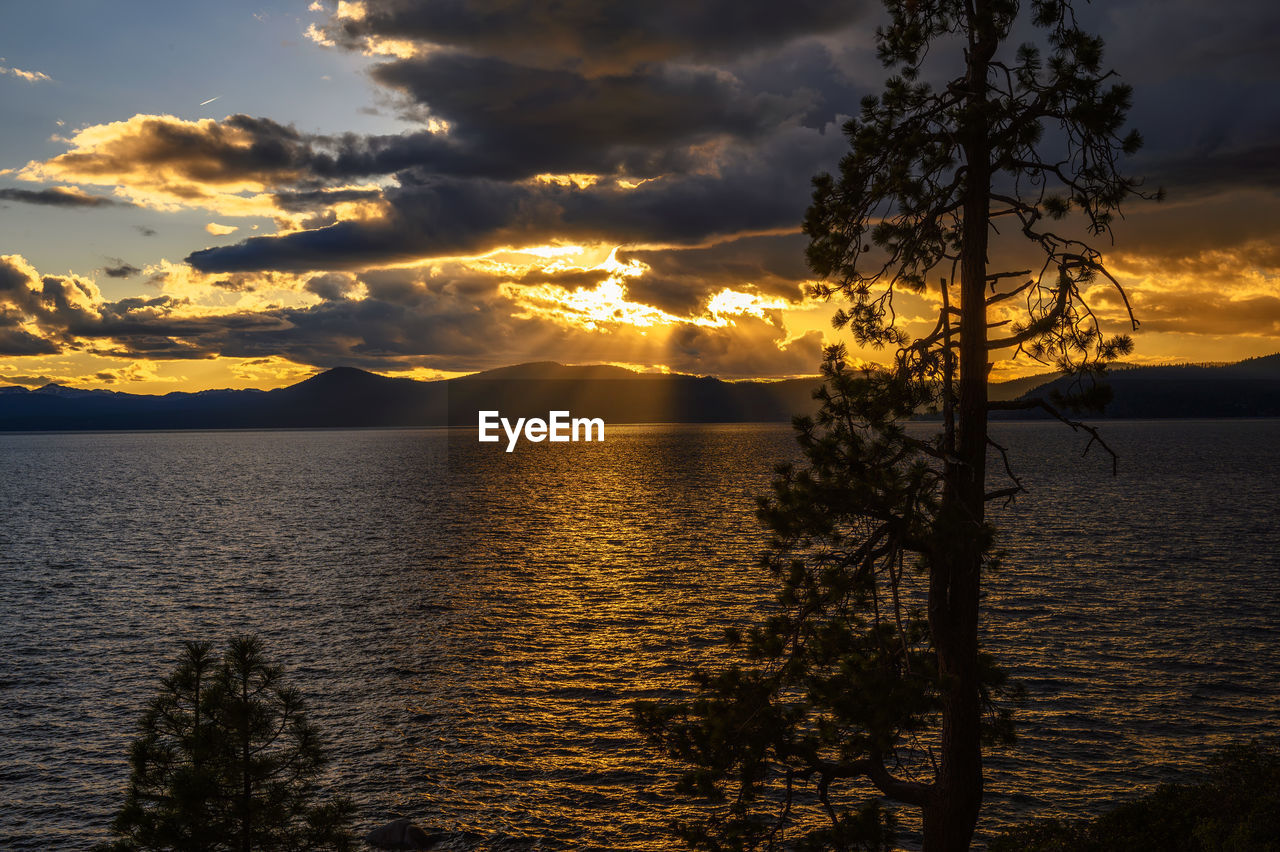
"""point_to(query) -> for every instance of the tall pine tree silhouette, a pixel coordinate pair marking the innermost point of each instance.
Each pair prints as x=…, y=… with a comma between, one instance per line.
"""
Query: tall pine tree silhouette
x=869, y=682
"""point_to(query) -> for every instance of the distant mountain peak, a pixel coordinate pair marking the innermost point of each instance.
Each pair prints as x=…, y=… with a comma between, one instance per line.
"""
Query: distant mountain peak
x=345, y=371
x=556, y=370
x=339, y=376
x=55, y=389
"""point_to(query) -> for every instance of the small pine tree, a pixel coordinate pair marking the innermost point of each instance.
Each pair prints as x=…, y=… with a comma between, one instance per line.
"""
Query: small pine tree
x=227, y=760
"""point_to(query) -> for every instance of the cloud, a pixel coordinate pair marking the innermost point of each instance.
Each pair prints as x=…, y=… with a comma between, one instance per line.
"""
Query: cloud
x=682, y=280
x=27, y=301
x=280, y=371
x=29, y=76
x=135, y=372
x=760, y=189
x=702, y=151
x=1231, y=40
x=220, y=230
x=1202, y=173
x=457, y=321
x=17, y=341
x=598, y=36
x=239, y=152
x=68, y=313
x=1204, y=311
x=59, y=196
x=28, y=381
x=304, y=201
x=120, y=269
x=451, y=317
x=165, y=162
x=1176, y=235
x=684, y=134
x=514, y=121
x=334, y=285
x=701, y=154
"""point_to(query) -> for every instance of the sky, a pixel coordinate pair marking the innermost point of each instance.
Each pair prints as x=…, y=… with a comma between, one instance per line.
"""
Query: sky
x=215, y=195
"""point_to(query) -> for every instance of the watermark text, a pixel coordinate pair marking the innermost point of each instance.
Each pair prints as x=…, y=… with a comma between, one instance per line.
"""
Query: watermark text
x=559, y=427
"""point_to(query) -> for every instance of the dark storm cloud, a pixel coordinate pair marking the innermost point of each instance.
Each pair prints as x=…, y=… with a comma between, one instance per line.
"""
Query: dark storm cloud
x=759, y=190
x=373, y=333
x=635, y=127
x=59, y=197
x=304, y=200
x=597, y=34
x=1231, y=40
x=1200, y=173
x=826, y=80
x=446, y=216
x=599, y=88
x=455, y=316
x=513, y=114
x=144, y=323
x=541, y=120
x=1206, y=90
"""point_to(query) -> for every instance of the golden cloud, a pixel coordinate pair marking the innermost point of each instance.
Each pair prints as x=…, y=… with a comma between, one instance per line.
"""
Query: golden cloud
x=234, y=167
x=133, y=372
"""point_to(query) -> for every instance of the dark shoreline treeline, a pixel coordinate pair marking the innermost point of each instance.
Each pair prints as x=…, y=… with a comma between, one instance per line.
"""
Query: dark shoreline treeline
x=1234, y=807
x=346, y=397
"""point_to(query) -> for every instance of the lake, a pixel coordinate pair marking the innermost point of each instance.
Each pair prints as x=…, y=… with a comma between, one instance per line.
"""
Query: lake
x=471, y=626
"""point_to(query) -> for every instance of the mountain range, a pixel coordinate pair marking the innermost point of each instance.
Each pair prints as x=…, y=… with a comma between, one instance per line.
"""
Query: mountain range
x=347, y=397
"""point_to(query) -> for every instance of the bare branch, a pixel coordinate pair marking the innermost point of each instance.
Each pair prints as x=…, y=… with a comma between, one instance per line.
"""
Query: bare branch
x=1000, y=297
x=1004, y=493
x=873, y=769
x=1076, y=425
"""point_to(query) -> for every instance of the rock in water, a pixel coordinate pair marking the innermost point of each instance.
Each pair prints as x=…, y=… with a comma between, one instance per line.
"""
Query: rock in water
x=399, y=834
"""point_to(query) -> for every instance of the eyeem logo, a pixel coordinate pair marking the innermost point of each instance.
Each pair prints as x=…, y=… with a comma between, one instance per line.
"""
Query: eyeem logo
x=559, y=427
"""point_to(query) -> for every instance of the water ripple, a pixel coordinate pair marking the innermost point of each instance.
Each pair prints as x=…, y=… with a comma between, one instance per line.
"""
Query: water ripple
x=472, y=626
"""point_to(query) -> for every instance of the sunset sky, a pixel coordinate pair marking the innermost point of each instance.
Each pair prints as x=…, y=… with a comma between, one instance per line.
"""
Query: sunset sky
x=234, y=195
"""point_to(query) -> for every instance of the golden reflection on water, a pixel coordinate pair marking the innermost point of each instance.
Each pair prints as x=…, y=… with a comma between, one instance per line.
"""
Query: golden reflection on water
x=471, y=626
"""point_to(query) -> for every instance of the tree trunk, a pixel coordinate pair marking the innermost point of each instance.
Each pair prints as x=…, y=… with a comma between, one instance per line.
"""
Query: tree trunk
x=246, y=827
x=951, y=813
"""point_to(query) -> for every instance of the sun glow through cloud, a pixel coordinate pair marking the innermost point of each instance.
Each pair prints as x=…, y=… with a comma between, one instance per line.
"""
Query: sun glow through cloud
x=608, y=303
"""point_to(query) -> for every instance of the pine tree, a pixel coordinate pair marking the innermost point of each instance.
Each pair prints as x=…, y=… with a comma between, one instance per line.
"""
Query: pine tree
x=868, y=684
x=227, y=760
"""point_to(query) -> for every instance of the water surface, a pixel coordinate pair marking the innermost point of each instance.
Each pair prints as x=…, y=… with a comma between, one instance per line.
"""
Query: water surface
x=471, y=626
